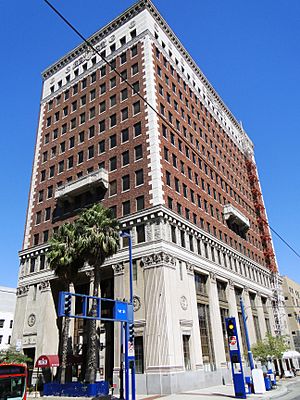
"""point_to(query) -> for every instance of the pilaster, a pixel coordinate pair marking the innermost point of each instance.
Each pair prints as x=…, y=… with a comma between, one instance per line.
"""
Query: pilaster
x=250, y=323
x=216, y=323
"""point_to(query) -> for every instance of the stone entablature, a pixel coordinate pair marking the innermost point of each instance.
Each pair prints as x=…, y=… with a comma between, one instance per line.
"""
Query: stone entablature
x=157, y=222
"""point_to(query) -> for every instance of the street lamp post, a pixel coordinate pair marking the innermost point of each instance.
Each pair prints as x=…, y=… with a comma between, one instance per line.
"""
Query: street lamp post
x=128, y=236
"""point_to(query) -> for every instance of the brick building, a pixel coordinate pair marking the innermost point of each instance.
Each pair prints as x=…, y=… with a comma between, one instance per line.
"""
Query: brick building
x=179, y=173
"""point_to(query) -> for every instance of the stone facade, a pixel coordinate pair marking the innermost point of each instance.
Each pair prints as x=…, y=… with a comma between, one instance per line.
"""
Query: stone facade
x=291, y=293
x=173, y=164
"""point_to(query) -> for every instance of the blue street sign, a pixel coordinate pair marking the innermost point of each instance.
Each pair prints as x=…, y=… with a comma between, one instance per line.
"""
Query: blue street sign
x=120, y=311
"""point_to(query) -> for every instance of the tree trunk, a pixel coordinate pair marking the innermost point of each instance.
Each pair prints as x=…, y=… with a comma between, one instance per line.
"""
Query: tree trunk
x=93, y=345
x=65, y=342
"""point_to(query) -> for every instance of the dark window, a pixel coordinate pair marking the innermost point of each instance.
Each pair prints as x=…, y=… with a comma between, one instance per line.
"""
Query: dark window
x=126, y=207
x=113, y=163
x=140, y=231
x=138, y=152
x=139, y=177
x=125, y=182
x=137, y=128
x=140, y=203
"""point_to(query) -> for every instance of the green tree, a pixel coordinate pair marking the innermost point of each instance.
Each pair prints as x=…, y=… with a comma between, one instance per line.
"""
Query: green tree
x=10, y=355
x=271, y=347
x=64, y=258
x=99, y=233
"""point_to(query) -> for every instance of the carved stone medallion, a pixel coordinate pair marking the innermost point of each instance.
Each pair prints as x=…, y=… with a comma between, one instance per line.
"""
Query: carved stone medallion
x=183, y=303
x=31, y=320
x=136, y=303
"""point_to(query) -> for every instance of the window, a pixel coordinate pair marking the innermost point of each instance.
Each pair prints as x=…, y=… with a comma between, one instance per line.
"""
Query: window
x=136, y=87
x=62, y=147
x=134, y=49
x=113, y=188
x=70, y=162
x=113, y=100
x=92, y=112
x=113, y=82
x=47, y=213
x=71, y=142
x=102, y=126
x=113, y=120
x=124, y=94
x=102, y=106
x=41, y=196
x=125, y=135
x=140, y=233
x=125, y=183
x=113, y=163
x=51, y=171
x=140, y=203
x=135, y=69
x=137, y=128
x=11, y=324
x=124, y=114
x=113, y=141
x=90, y=152
x=80, y=157
x=60, y=166
x=92, y=94
x=43, y=175
x=125, y=158
x=123, y=58
x=101, y=147
x=2, y=323
x=102, y=88
x=186, y=352
x=139, y=177
x=126, y=207
x=138, y=152
x=81, y=137
x=136, y=107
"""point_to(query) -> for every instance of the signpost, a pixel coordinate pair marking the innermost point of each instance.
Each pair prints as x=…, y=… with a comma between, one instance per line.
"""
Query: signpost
x=108, y=310
x=235, y=358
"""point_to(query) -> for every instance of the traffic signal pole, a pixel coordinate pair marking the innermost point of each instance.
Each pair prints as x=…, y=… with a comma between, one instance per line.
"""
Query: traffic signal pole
x=250, y=355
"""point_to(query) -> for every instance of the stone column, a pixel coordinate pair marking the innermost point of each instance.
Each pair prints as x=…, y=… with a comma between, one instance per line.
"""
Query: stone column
x=261, y=316
x=163, y=342
x=192, y=299
x=216, y=323
x=48, y=335
x=250, y=323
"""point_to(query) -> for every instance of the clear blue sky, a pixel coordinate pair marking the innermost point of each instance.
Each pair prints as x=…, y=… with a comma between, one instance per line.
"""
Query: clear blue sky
x=249, y=50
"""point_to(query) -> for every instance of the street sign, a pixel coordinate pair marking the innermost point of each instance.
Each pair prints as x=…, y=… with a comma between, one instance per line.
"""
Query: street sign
x=233, y=343
x=130, y=350
x=120, y=311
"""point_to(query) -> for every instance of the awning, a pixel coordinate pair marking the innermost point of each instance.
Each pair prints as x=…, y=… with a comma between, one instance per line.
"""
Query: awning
x=291, y=354
x=47, y=361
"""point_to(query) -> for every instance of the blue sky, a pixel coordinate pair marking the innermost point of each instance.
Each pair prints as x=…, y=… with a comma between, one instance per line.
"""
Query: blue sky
x=249, y=50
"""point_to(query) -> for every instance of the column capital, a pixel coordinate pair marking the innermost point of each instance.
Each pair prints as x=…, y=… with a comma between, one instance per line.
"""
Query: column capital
x=22, y=290
x=119, y=269
x=45, y=285
x=158, y=260
x=190, y=268
x=213, y=277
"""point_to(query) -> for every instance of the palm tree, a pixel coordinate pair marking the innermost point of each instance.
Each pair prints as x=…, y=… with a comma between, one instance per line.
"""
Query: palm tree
x=65, y=260
x=99, y=233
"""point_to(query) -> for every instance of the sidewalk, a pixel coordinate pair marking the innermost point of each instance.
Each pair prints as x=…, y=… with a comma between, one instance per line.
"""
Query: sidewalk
x=211, y=393
x=224, y=393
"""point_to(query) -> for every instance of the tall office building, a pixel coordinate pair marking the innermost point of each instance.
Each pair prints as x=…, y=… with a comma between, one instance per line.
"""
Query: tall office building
x=291, y=293
x=178, y=171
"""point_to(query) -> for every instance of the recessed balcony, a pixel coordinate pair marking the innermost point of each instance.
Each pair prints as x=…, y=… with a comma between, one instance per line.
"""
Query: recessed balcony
x=236, y=220
x=90, y=182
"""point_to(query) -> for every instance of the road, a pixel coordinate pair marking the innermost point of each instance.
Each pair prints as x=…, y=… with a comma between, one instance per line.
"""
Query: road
x=293, y=392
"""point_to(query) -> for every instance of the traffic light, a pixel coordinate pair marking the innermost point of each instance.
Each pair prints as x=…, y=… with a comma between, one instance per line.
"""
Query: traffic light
x=230, y=328
x=131, y=333
x=68, y=303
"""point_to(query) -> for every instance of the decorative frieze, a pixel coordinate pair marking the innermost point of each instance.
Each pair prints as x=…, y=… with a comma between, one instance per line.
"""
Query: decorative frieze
x=22, y=290
x=118, y=269
x=190, y=268
x=45, y=285
x=158, y=260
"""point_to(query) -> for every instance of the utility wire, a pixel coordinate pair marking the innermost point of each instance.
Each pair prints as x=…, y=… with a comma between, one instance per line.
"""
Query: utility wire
x=144, y=100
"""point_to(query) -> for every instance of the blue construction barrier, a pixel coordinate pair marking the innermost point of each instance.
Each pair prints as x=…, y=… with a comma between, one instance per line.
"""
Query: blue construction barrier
x=76, y=389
